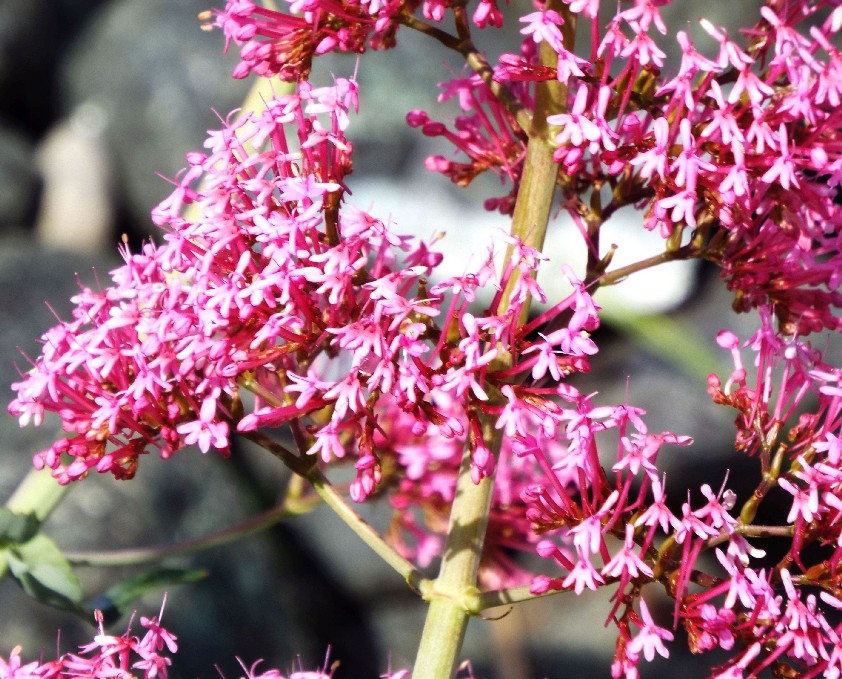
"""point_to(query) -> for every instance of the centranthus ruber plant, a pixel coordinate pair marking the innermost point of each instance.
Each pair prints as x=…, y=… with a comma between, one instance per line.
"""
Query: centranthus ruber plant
x=275, y=309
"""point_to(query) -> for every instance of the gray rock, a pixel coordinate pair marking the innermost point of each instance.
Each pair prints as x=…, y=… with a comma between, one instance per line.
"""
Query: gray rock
x=156, y=76
x=33, y=37
x=76, y=210
x=18, y=180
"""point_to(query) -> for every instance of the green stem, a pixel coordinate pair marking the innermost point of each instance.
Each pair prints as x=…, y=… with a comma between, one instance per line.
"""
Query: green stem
x=620, y=274
x=538, y=181
x=753, y=531
x=334, y=499
x=455, y=589
x=482, y=601
x=305, y=467
x=447, y=617
x=136, y=555
x=39, y=494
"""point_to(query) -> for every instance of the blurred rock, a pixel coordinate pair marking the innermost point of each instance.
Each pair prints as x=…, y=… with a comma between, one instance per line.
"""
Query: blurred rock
x=156, y=76
x=33, y=37
x=18, y=179
x=76, y=210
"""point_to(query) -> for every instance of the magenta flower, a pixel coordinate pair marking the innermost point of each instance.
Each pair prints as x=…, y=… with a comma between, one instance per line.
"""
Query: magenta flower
x=204, y=432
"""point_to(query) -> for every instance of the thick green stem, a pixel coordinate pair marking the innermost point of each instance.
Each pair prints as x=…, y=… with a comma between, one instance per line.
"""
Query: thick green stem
x=454, y=592
x=441, y=642
x=447, y=618
x=39, y=494
x=538, y=181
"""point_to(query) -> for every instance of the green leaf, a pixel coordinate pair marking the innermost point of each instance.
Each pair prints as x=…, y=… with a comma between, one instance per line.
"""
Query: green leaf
x=117, y=600
x=17, y=527
x=43, y=572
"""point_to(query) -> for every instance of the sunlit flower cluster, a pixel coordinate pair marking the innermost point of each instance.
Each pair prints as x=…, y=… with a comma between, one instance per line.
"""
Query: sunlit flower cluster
x=282, y=305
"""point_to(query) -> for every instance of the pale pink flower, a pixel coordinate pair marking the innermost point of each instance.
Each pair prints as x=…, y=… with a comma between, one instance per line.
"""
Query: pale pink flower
x=650, y=639
x=543, y=27
x=206, y=431
x=626, y=563
x=583, y=575
x=590, y=8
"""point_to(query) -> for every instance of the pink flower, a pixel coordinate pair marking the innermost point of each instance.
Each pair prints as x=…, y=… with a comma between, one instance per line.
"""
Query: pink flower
x=717, y=508
x=590, y=8
x=693, y=524
x=15, y=669
x=654, y=161
x=657, y=513
x=583, y=575
x=487, y=14
x=642, y=48
x=681, y=207
x=578, y=129
x=275, y=43
x=106, y=657
x=650, y=639
x=805, y=501
x=486, y=133
x=739, y=587
x=543, y=27
x=783, y=169
x=832, y=447
x=205, y=432
x=626, y=563
x=645, y=13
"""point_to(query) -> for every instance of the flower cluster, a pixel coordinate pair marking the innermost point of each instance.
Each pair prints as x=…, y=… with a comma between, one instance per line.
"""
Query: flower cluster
x=325, y=316
x=109, y=656
x=282, y=305
x=486, y=132
x=273, y=42
x=105, y=657
x=736, y=159
x=743, y=145
x=155, y=358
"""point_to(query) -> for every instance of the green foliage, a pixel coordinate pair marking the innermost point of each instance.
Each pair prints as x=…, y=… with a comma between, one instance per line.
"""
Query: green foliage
x=44, y=573
x=17, y=527
x=119, y=598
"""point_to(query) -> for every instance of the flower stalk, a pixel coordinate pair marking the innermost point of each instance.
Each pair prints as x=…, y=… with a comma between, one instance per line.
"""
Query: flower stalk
x=448, y=615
